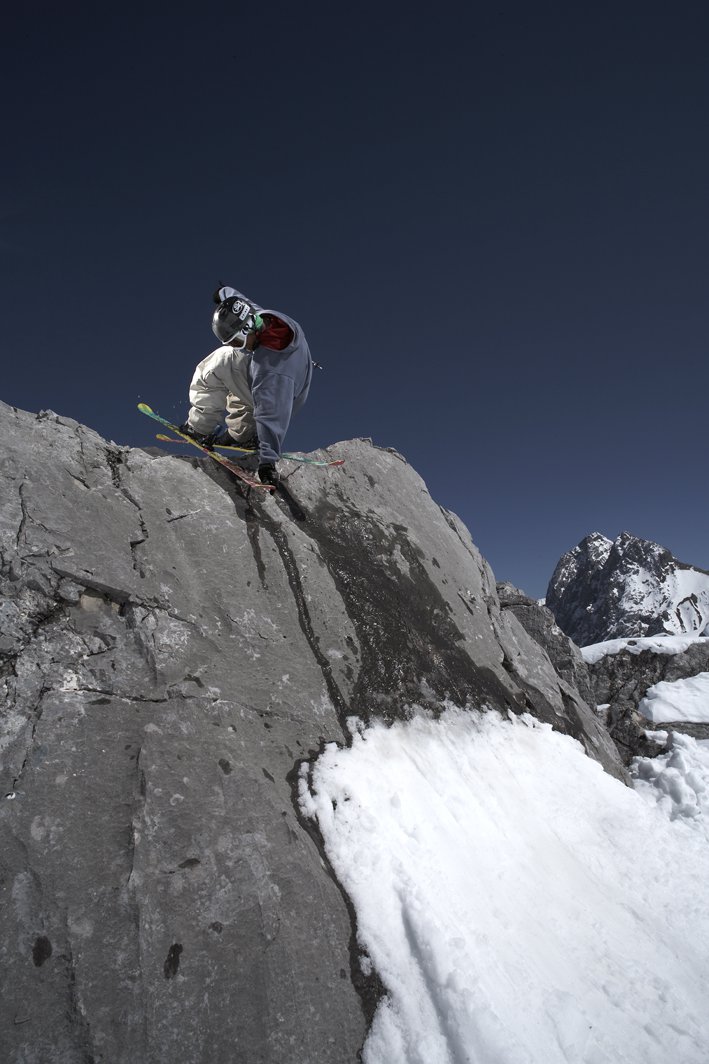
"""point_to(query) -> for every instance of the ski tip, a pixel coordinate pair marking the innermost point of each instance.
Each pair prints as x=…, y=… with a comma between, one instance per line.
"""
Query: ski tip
x=144, y=408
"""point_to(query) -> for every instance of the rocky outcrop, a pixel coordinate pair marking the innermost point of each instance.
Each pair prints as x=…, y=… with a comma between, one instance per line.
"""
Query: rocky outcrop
x=172, y=650
x=539, y=623
x=607, y=589
x=621, y=681
x=627, y=676
x=625, y=726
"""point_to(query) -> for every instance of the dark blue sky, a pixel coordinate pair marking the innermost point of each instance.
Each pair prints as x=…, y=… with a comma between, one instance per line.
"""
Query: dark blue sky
x=491, y=220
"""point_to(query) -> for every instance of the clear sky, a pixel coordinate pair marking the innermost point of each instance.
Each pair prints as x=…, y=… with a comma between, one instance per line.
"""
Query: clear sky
x=491, y=220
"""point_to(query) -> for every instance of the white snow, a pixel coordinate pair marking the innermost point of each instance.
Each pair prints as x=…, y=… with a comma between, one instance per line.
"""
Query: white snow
x=678, y=700
x=678, y=594
x=678, y=781
x=520, y=905
x=689, y=591
x=659, y=644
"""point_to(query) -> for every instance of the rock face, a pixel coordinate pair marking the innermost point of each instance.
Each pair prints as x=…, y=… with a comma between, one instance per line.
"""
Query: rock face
x=539, y=623
x=615, y=682
x=625, y=725
x=606, y=589
x=172, y=650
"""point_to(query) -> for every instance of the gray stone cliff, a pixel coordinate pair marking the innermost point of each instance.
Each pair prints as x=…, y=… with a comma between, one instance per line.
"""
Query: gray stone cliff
x=172, y=649
x=625, y=725
x=538, y=621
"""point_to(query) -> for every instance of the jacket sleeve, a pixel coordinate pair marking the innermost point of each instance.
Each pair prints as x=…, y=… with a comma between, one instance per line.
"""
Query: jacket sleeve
x=208, y=393
x=273, y=406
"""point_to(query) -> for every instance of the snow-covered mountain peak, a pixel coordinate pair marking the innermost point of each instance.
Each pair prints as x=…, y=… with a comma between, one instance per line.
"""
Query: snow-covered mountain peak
x=589, y=555
x=607, y=589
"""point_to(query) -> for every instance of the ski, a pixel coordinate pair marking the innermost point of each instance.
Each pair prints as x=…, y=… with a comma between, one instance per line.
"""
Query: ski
x=240, y=473
x=247, y=453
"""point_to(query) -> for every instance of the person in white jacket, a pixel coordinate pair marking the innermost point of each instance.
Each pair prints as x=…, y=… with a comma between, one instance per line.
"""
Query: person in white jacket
x=260, y=377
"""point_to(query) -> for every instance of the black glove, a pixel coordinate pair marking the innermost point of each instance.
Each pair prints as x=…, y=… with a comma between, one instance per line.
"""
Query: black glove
x=268, y=474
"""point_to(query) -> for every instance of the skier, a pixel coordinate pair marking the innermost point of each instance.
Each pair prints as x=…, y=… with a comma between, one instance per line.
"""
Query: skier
x=260, y=376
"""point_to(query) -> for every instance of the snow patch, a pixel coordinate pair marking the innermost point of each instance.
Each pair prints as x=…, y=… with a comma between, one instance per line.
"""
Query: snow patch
x=675, y=700
x=658, y=644
x=678, y=780
x=519, y=904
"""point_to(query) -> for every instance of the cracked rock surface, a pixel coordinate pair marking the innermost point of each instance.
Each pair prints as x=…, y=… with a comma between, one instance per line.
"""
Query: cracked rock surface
x=172, y=647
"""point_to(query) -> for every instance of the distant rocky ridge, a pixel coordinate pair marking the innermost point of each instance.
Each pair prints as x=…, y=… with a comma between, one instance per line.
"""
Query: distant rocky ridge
x=173, y=654
x=631, y=588
x=606, y=589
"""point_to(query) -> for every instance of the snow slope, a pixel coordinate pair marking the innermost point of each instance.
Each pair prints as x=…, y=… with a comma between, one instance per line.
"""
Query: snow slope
x=521, y=906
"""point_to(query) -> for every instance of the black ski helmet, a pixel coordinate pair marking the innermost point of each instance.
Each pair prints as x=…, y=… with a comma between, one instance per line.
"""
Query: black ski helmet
x=234, y=319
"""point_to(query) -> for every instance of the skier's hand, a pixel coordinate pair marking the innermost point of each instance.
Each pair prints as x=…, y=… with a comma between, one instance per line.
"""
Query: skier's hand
x=268, y=474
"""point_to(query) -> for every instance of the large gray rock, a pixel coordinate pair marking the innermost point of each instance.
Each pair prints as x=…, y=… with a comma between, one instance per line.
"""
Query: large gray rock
x=171, y=650
x=539, y=622
x=625, y=729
